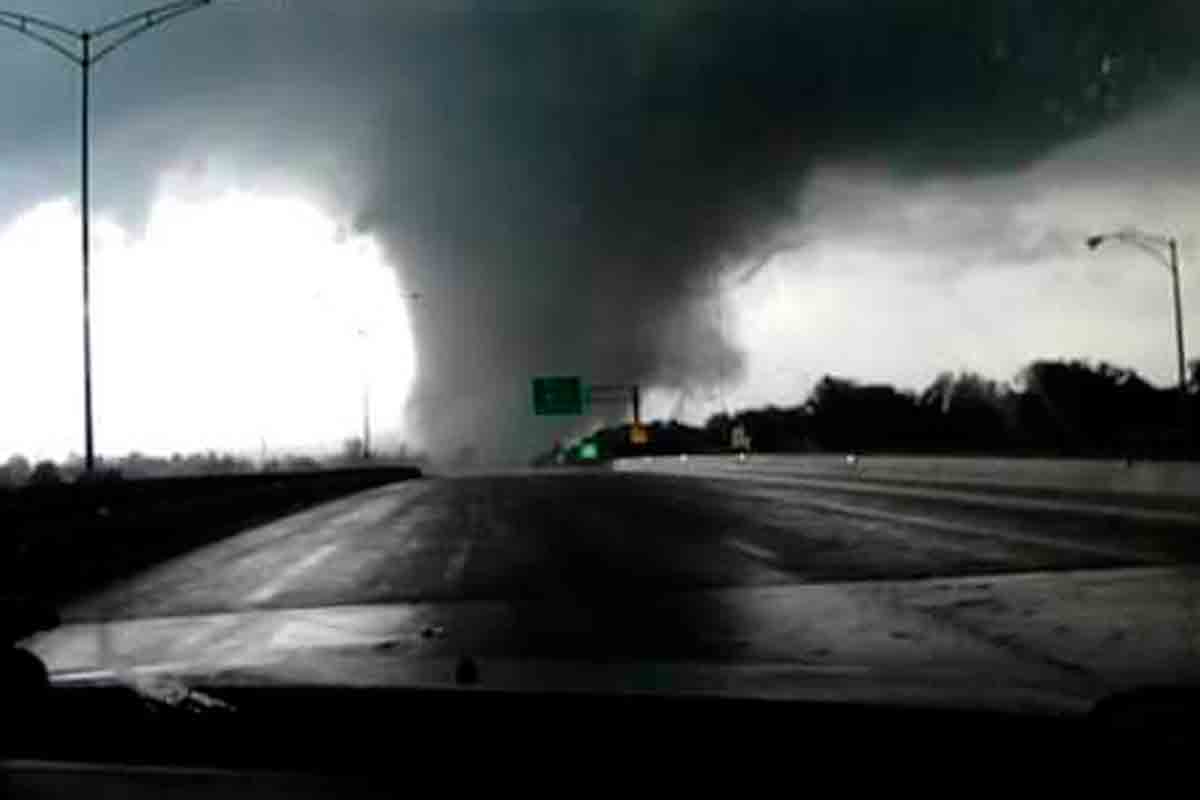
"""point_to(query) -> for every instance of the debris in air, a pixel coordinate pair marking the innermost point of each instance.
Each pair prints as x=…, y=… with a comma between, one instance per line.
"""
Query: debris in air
x=433, y=632
x=467, y=672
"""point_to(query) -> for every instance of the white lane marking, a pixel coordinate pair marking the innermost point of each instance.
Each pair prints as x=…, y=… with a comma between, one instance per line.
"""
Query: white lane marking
x=865, y=485
x=266, y=592
x=365, y=508
x=101, y=675
x=932, y=523
x=458, y=562
x=949, y=526
x=1029, y=503
x=752, y=550
x=205, y=567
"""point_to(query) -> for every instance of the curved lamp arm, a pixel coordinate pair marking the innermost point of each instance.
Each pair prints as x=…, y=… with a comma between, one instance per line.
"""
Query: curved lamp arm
x=135, y=24
x=1150, y=243
x=40, y=31
x=43, y=31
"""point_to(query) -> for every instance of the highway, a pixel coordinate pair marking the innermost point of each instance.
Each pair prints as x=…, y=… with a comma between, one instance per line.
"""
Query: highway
x=658, y=575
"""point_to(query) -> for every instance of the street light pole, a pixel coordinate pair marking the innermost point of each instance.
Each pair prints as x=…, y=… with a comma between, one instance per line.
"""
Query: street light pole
x=366, y=395
x=1180, y=361
x=1154, y=245
x=365, y=399
x=107, y=37
x=89, y=446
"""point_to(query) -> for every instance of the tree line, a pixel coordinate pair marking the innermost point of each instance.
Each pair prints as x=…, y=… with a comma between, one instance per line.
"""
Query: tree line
x=19, y=471
x=1052, y=408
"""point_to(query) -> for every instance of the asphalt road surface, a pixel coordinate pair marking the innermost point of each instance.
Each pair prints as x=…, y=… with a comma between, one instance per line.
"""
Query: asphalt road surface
x=745, y=571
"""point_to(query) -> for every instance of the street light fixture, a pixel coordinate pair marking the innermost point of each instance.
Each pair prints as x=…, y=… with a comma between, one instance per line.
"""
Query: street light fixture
x=363, y=334
x=366, y=395
x=104, y=39
x=1165, y=250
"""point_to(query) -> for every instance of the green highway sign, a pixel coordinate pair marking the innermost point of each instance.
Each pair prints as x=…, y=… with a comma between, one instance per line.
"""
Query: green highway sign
x=557, y=395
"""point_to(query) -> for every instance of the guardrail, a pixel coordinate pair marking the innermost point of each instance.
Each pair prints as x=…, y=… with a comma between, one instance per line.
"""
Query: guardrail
x=1170, y=479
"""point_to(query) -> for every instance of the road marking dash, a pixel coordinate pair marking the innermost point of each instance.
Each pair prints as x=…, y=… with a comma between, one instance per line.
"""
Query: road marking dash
x=271, y=589
x=752, y=550
x=458, y=562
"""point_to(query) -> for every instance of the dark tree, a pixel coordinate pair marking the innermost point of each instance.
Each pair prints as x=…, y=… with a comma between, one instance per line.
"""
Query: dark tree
x=45, y=474
x=15, y=471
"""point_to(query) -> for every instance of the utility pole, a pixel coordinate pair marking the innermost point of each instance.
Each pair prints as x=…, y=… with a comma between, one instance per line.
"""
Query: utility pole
x=107, y=37
x=630, y=393
x=607, y=393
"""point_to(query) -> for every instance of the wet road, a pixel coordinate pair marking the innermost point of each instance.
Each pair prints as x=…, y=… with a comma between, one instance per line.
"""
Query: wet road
x=601, y=536
x=612, y=567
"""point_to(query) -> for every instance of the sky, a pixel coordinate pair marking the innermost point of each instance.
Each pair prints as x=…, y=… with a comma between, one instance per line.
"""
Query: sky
x=719, y=201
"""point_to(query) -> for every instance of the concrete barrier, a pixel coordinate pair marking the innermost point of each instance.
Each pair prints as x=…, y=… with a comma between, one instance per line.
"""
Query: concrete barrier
x=1163, y=479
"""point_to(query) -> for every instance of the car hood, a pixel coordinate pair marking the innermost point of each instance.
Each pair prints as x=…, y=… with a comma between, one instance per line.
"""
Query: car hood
x=1033, y=640
x=479, y=645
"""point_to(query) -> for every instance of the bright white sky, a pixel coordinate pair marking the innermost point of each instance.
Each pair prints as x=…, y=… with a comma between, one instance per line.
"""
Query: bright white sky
x=853, y=311
x=230, y=323
x=229, y=318
x=895, y=281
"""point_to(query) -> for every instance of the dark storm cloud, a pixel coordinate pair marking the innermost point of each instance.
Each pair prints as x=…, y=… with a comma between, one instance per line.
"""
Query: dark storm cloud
x=569, y=177
x=566, y=182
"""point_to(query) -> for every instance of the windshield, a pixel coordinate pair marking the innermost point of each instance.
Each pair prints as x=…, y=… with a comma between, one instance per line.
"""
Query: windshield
x=672, y=347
